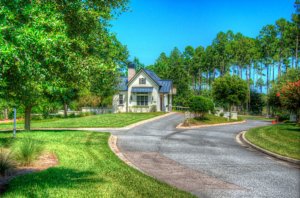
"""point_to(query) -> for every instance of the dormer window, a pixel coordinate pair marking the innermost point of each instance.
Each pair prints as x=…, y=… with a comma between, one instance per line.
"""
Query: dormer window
x=142, y=81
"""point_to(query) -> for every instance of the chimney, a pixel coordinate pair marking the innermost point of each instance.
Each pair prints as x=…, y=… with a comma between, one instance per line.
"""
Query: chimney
x=131, y=71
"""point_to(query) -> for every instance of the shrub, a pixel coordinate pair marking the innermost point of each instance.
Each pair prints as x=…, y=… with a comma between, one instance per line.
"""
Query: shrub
x=200, y=105
x=153, y=108
x=283, y=117
x=6, y=162
x=27, y=150
x=221, y=114
x=37, y=117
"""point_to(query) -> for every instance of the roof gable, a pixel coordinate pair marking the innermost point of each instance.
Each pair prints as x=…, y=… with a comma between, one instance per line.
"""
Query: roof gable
x=148, y=73
x=165, y=86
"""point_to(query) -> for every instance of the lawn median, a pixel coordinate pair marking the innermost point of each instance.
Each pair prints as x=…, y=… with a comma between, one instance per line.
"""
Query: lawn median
x=282, y=139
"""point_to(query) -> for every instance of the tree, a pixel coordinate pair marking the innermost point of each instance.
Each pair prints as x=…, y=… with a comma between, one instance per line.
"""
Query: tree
x=200, y=105
x=257, y=103
x=230, y=90
x=138, y=64
x=45, y=42
x=289, y=96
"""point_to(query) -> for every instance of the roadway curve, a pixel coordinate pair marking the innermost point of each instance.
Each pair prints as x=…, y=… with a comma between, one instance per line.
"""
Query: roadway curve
x=207, y=162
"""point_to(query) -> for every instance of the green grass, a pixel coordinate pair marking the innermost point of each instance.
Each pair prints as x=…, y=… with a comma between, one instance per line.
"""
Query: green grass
x=87, y=168
x=211, y=119
x=283, y=139
x=251, y=117
x=103, y=120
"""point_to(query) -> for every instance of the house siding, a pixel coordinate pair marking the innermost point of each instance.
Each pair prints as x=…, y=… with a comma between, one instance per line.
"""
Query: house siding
x=154, y=98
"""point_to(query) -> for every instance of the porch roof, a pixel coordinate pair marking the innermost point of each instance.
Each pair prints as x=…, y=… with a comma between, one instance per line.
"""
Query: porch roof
x=142, y=89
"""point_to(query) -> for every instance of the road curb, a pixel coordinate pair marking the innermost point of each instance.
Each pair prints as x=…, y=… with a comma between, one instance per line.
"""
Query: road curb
x=287, y=159
x=112, y=142
x=208, y=125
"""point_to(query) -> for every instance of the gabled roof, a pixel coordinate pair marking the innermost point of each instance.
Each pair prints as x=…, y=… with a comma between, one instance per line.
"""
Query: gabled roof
x=153, y=75
x=165, y=86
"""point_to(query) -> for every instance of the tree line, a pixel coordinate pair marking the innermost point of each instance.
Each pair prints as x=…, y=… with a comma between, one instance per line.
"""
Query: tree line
x=259, y=61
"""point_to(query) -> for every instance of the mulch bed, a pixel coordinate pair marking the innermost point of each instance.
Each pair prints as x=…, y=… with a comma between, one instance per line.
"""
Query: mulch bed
x=44, y=162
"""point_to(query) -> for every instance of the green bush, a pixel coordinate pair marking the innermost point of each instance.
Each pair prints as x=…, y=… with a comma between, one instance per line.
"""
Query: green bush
x=7, y=162
x=37, y=117
x=153, y=108
x=283, y=117
x=27, y=150
x=221, y=114
x=200, y=105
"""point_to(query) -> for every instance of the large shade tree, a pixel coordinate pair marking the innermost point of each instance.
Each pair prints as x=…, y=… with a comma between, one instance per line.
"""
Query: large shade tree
x=46, y=45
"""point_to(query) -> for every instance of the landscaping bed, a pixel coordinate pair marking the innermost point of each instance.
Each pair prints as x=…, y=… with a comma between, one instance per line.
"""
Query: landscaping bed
x=208, y=119
x=282, y=139
x=87, y=167
x=96, y=121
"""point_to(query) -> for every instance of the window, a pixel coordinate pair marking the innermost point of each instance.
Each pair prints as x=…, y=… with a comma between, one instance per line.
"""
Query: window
x=142, y=81
x=142, y=100
x=121, y=99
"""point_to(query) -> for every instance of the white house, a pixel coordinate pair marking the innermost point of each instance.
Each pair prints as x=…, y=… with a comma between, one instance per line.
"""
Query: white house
x=143, y=91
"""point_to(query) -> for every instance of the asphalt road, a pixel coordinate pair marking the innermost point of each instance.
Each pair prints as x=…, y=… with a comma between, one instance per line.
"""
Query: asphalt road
x=207, y=161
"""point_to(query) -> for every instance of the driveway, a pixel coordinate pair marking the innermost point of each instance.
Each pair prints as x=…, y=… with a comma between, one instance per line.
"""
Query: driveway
x=207, y=161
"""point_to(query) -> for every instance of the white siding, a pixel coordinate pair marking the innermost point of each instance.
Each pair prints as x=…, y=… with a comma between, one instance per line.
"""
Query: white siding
x=116, y=106
x=153, y=98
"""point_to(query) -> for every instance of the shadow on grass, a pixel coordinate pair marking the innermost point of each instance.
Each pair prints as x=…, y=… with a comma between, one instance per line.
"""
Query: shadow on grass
x=35, y=184
x=6, y=141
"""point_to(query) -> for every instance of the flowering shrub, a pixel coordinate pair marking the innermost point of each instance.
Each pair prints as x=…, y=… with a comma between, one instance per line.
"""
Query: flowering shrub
x=289, y=96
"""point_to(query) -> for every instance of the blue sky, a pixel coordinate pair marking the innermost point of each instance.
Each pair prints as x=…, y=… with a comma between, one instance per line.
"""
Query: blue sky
x=155, y=26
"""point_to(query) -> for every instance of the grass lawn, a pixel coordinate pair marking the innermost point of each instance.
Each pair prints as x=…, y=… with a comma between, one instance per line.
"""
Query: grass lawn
x=103, y=120
x=87, y=168
x=283, y=139
x=251, y=117
x=211, y=119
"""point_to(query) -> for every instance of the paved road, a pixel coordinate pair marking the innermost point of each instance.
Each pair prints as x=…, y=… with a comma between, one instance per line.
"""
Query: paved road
x=208, y=161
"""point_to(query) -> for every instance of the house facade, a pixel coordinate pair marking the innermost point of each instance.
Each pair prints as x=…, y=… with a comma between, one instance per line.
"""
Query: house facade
x=143, y=91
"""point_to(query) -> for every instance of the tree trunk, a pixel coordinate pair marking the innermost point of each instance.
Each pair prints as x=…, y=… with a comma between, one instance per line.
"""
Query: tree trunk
x=267, y=66
x=214, y=74
x=279, y=68
x=268, y=106
x=27, y=117
x=241, y=72
x=5, y=114
x=200, y=81
x=297, y=45
x=273, y=71
x=207, y=79
x=230, y=111
x=248, y=84
x=65, y=110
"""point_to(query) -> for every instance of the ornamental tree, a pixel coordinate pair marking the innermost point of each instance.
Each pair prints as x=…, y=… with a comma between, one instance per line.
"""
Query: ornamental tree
x=230, y=90
x=289, y=96
x=200, y=105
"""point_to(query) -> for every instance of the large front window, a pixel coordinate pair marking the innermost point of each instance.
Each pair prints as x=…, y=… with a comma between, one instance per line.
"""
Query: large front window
x=142, y=100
